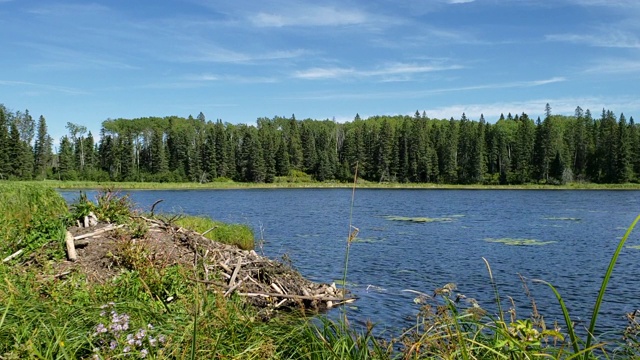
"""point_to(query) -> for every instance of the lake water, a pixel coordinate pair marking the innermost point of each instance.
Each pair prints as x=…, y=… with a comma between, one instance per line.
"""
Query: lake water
x=579, y=229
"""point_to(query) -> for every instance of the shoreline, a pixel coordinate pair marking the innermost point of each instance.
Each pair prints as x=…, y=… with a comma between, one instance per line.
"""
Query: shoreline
x=80, y=185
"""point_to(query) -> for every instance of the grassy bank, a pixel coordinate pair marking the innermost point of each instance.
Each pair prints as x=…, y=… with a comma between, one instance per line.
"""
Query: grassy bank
x=156, y=310
x=314, y=184
x=233, y=234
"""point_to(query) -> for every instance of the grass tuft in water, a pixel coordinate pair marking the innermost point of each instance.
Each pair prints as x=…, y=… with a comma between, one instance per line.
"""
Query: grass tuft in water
x=519, y=242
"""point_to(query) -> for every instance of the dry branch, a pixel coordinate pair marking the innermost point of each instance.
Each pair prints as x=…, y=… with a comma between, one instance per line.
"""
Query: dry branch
x=299, y=297
x=13, y=256
x=71, y=248
x=98, y=232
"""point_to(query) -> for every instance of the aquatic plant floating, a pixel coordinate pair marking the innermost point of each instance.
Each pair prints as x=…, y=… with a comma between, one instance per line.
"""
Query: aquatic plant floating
x=635, y=247
x=519, y=242
x=562, y=218
x=418, y=219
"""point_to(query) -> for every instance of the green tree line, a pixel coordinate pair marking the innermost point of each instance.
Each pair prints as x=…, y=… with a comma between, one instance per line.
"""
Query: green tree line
x=513, y=150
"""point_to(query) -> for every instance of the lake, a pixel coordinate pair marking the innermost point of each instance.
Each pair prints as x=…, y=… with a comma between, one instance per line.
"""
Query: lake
x=565, y=237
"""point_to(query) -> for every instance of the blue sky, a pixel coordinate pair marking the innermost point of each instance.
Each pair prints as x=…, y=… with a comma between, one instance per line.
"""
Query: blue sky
x=84, y=61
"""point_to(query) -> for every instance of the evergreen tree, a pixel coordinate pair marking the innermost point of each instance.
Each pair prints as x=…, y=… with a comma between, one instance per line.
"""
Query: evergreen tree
x=42, y=150
x=623, y=166
x=157, y=158
x=5, y=164
x=66, y=160
x=309, y=151
x=296, y=156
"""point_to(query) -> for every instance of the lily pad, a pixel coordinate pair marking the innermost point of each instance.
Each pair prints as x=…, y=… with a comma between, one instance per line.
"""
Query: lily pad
x=519, y=242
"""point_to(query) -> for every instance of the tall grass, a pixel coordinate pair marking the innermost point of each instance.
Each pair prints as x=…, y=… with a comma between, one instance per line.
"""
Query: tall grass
x=30, y=216
x=239, y=235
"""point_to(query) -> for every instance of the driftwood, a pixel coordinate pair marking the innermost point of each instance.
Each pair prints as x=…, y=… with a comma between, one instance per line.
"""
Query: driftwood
x=98, y=232
x=71, y=248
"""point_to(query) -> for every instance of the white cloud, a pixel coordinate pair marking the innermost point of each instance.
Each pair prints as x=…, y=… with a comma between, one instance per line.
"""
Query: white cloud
x=459, y=1
x=309, y=16
x=55, y=88
x=603, y=38
x=424, y=93
x=213, y=53
x=615, y=66
x=534, y=107
x=389, y=70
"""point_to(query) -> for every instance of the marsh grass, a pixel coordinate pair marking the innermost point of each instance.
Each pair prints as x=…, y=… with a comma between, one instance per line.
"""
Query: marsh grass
x=239, y=235
x=30, y=217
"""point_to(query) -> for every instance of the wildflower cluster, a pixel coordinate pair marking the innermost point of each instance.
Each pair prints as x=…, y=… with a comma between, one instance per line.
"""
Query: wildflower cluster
x=113, y=337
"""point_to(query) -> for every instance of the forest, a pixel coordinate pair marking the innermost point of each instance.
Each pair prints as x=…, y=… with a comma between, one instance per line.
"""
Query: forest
x=514, y=149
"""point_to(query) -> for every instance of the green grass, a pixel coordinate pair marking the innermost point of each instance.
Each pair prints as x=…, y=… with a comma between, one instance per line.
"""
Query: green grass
x=239, y=235
x=30, y=216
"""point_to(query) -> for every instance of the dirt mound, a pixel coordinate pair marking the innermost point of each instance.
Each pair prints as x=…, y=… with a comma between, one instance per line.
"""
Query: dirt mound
x=265, y=283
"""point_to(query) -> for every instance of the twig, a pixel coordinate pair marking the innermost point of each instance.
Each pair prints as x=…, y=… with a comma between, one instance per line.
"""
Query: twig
x=154, y=205
x=206, y=232
x=300, y=297
x=13, y=256
x=234, y=287
x=98, y=232
x=235, y=272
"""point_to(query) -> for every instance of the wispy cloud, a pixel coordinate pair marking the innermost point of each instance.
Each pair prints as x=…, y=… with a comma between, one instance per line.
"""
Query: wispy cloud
x=390, y=70
x=55, y=88
x=420, y=94
x=608, y=3
x=602, y=38
x=533, y=107
x=615, y=66
x=51, y=9
x=459, y=1
x=213, y=53
x=309, y=16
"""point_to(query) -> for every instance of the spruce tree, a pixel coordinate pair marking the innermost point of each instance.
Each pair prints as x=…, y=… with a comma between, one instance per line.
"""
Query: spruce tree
x=42, y=150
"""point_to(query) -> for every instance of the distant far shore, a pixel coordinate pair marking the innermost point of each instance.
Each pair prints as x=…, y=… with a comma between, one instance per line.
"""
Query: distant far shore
x=318, y=185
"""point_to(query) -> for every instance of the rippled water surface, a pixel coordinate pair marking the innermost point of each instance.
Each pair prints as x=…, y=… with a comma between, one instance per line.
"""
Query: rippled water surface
x=565, y=237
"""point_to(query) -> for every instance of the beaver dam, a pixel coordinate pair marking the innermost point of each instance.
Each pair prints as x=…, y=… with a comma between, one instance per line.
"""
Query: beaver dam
x=103, y=250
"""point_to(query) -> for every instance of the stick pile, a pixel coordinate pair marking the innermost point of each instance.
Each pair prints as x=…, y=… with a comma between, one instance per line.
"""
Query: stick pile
x=264, y=282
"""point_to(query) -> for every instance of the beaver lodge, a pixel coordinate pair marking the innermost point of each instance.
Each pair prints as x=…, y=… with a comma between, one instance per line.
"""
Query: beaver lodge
x=103, y=250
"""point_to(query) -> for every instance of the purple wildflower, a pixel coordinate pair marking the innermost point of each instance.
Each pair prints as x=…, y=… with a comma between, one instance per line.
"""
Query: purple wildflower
x=100, y=328
x=143, y=353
